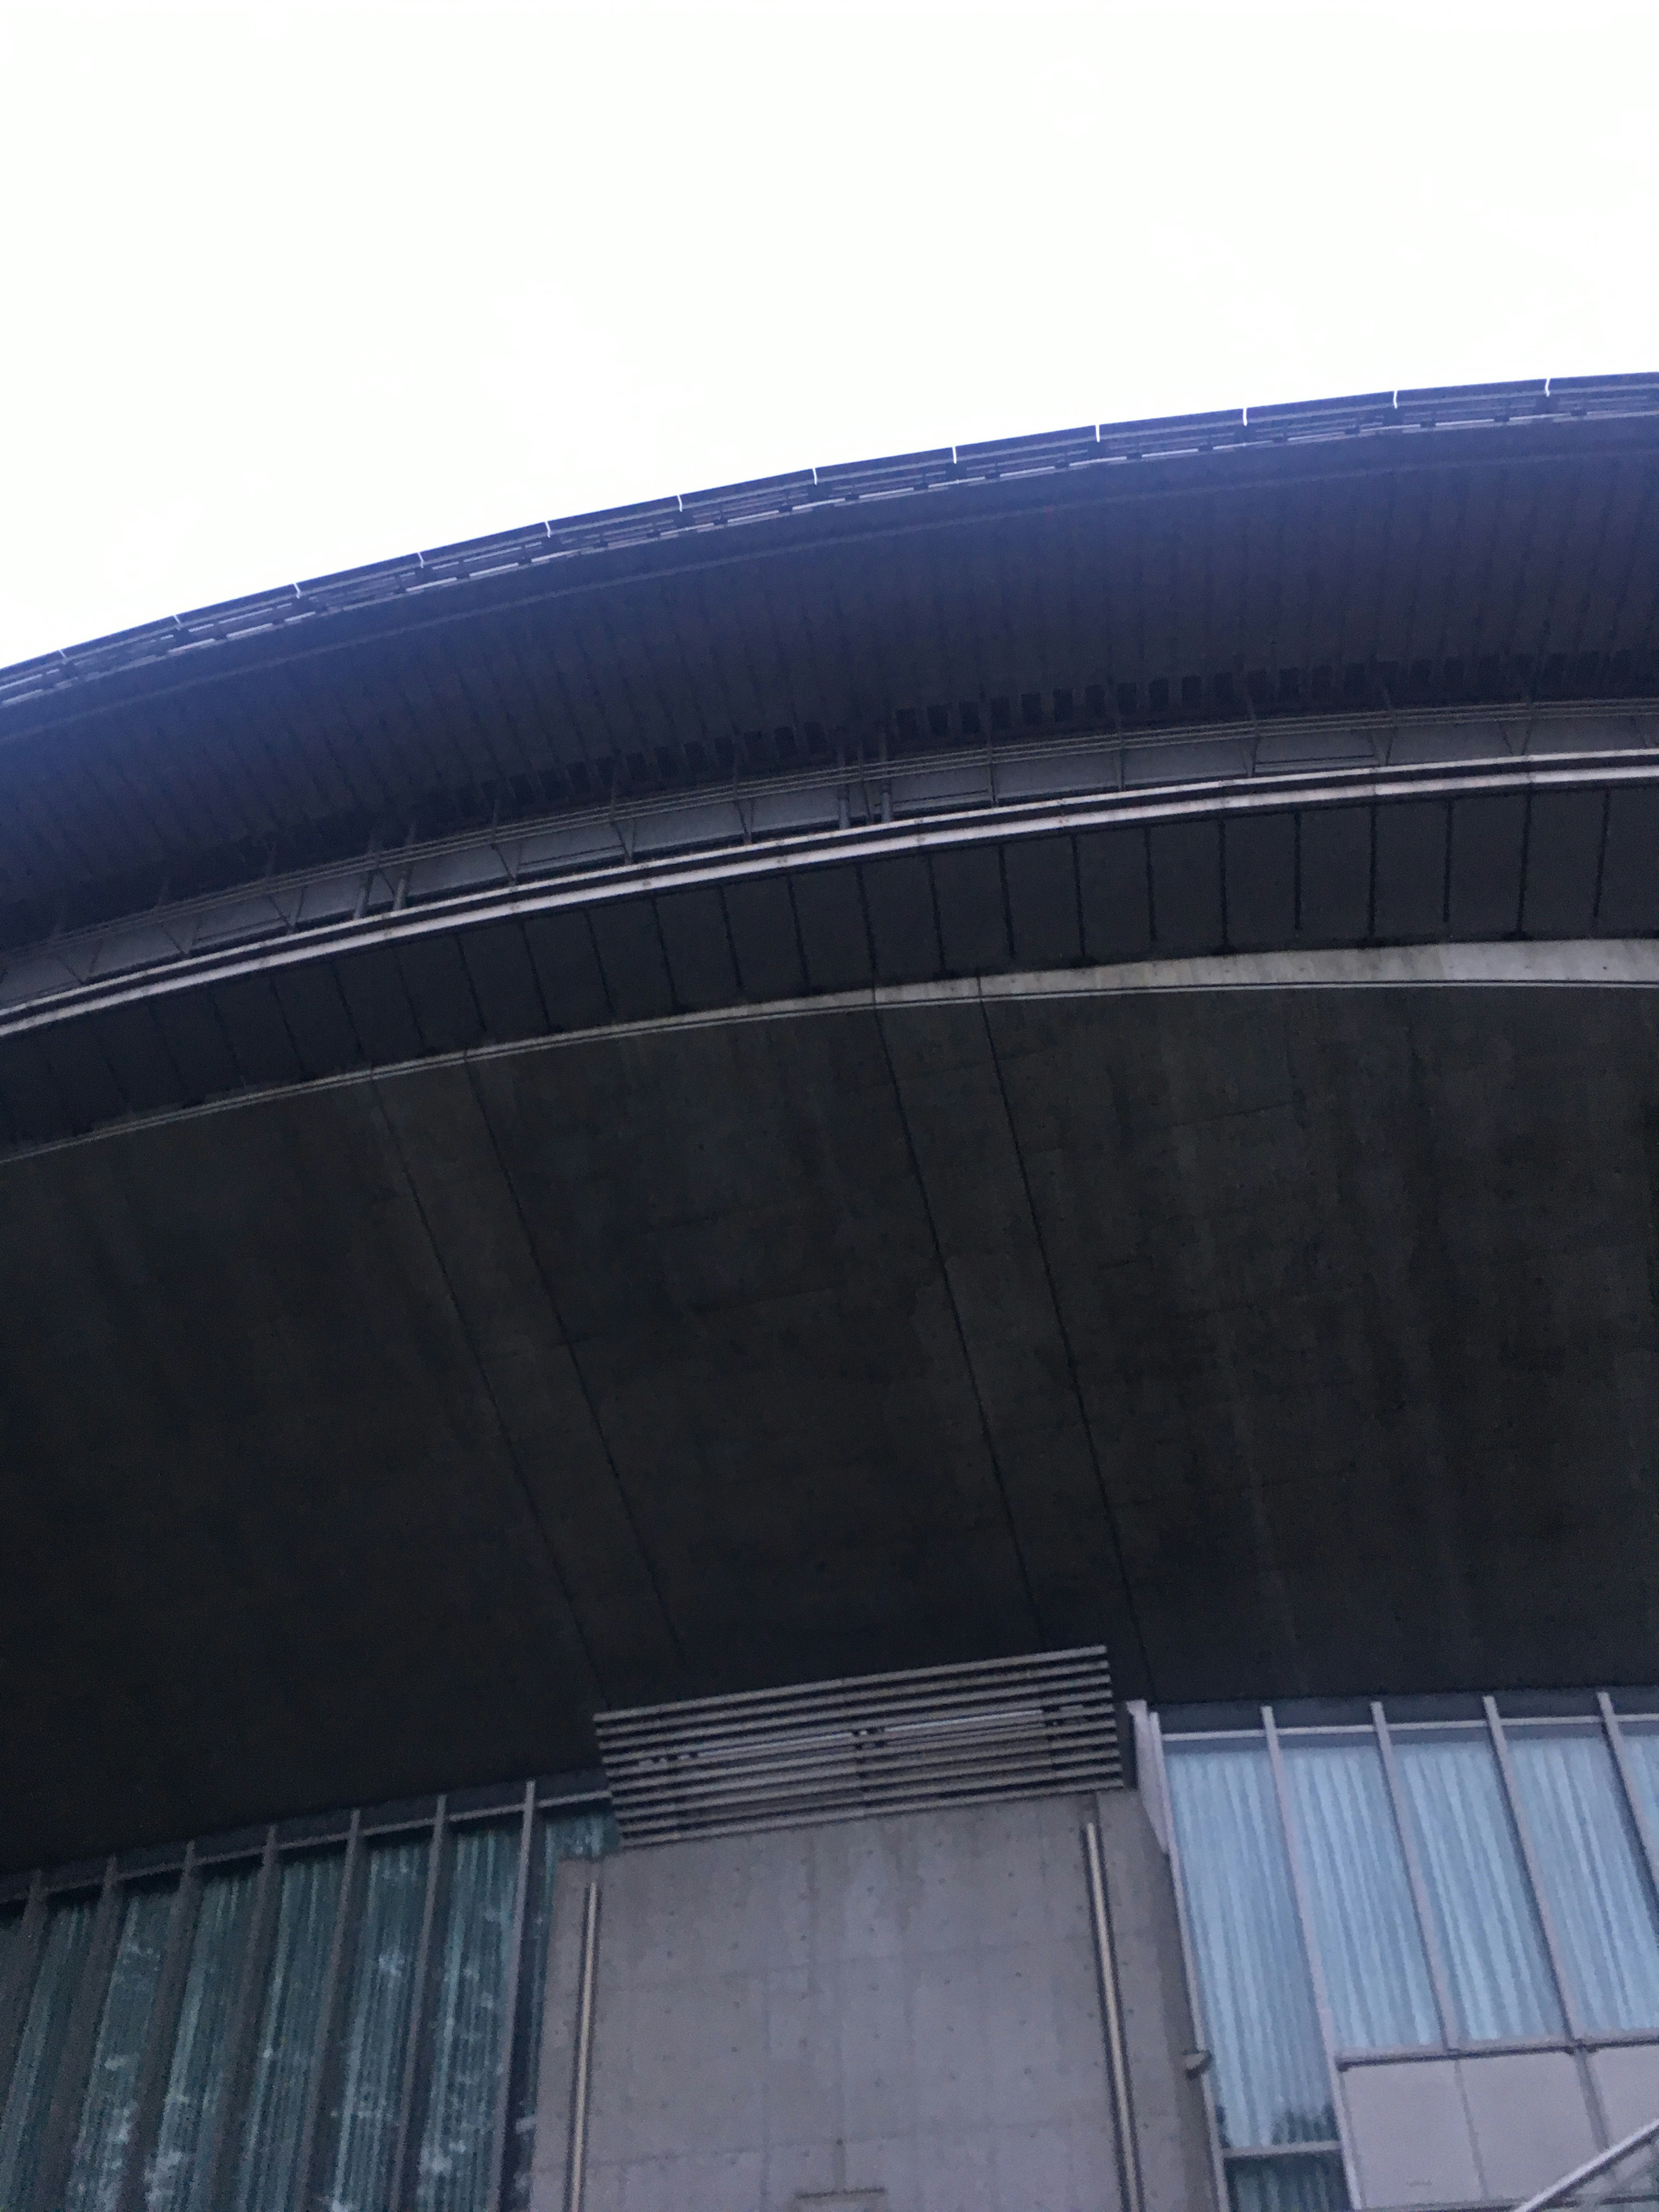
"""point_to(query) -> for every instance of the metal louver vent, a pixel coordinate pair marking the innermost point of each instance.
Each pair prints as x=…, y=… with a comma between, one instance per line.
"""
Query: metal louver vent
x=878, y=1743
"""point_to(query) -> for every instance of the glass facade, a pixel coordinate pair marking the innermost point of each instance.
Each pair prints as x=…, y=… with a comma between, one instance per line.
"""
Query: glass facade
x=321, y=2024
x=1355, y=1895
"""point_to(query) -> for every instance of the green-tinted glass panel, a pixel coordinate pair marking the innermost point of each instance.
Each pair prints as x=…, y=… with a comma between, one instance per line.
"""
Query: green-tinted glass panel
x=365, y=2117
x=179, y=2173
x=111, y=2103
x=28, y=2095
x=269, y=2178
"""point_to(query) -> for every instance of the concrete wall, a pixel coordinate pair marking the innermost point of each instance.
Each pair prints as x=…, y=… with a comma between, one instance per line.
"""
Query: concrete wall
x=908, y=2005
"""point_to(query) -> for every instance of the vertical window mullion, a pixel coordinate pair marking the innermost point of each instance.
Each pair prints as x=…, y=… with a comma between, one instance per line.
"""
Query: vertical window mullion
x=221, y=2154
x=1202, y=2033
x=162, y=2028
x=1565, y=1992
x=1310, y=1948
x=52, y=2175
x=1451, y=2030
x=510, y=2006
x=411, y=2098
x=22, y=1966
x=1644, y=1835
x=332, y=2023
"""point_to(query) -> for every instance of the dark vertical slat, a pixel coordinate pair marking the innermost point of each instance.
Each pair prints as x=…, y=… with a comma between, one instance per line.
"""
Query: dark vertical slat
x=510, y=2006
x=417, y=2067
x=19, y=1978
x=52, y=2175
x=158, y=2040
x=221, y=2154
x=337, y=1978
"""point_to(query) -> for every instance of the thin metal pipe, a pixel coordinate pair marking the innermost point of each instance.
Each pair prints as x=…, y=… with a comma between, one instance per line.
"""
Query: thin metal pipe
x=1189, y=1960
x=409, y=2100
x=1106, y=1962
x=1311, y=1950
x=576, y=2178
x=1565, y=2187
x=510, y=2024
x=1450, y=2026
x=330, y=2015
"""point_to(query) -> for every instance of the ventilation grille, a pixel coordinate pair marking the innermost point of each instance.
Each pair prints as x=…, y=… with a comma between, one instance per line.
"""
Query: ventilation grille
x=879, y=1743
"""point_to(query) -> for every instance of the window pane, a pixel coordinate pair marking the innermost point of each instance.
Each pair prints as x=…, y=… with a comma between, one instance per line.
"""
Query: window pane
x=1359, y=1898
x=1594, y=1884
x=34, y=2074
x=578, y=1836
x=1271, y=2083
x=269, y=2180
x=179, y=2176
x=106, y=2116
x=1486, y=1919
x=365, y=2119
x=1287, y=2185
x=467, y=2039
x=1642, y=1748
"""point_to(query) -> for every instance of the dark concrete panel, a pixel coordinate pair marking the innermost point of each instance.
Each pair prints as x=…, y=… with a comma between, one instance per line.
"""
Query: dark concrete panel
x=1564, y=863
x=1488, y=836
x=372, y=985
x=765, y=938
x=257, y=1036
x=1410, y=901
x=973, y=916
x=131, y=1041
x=503, y=980
x=314, y=1013
x=81, y=1075
x=446, y=1009
x=1041, y=874
x=626, y=939
x=1334, y=874
x=1630, y=868
x=694, y=937
x=196, y=1044
x=1114, y=889
x=1261, y=880
x=1186, y=866
x=830, y=914
x=898, y=897
x=28, y=1093
x=568, y=968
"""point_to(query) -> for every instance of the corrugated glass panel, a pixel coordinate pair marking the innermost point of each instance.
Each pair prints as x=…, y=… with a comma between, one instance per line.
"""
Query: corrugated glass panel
x=111, y=2104
x=365, y=2117
x=569, y=1836
x=1287, y=2185
x=1359, y=1898
x=1642, y=1749
x=179, y=2175
x=468, y=2021
x=34, y=2074
x=1589, y=1863
x=268, y=2179
x=1487, y=1923
x=1271, y=2080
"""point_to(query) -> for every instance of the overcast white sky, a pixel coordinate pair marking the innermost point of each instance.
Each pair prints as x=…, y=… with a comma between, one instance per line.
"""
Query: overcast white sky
x=290, y=287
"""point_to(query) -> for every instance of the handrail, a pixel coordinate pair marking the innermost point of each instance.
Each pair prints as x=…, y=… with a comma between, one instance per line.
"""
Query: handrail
x=1560, y=2190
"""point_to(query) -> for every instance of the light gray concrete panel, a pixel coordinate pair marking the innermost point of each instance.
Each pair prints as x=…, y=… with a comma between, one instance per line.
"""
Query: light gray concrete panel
x=1627, y=2077
x=1411, y=2134
x=1530, y=2120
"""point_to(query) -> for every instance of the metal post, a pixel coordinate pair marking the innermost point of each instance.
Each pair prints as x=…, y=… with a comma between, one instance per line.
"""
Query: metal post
x=163, y=2025
x=1450, y=2026
x=1311, y=1950
x=330, y=2016
x=220, y=2155
x=411, y=2097
x=57, y=2143
x=510, y=2006
x=577, y=2175
x=1106, y=1961
x=1189, y=1962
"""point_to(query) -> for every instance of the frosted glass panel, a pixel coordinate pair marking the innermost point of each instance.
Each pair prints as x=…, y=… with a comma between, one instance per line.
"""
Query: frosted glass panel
x=1486, y=1921
x=34, y=2074
x=365, y=2119
x=1359, y=1898
x=268, y=2179
x=468, y=2042
x=179, y=2176
x=1593, y=1883
x=1271, y=2082
x=109, y=2107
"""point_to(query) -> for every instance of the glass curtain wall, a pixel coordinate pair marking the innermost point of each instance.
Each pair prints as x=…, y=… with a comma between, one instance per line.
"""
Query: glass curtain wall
x=380, y=2015
x=1425, y=1886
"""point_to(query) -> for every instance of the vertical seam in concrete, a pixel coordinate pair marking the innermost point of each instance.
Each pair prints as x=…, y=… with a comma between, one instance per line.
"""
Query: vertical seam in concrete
x=488, y=1388
x=1032, y=1606
x=1065, y=1335
x=557, y=1312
